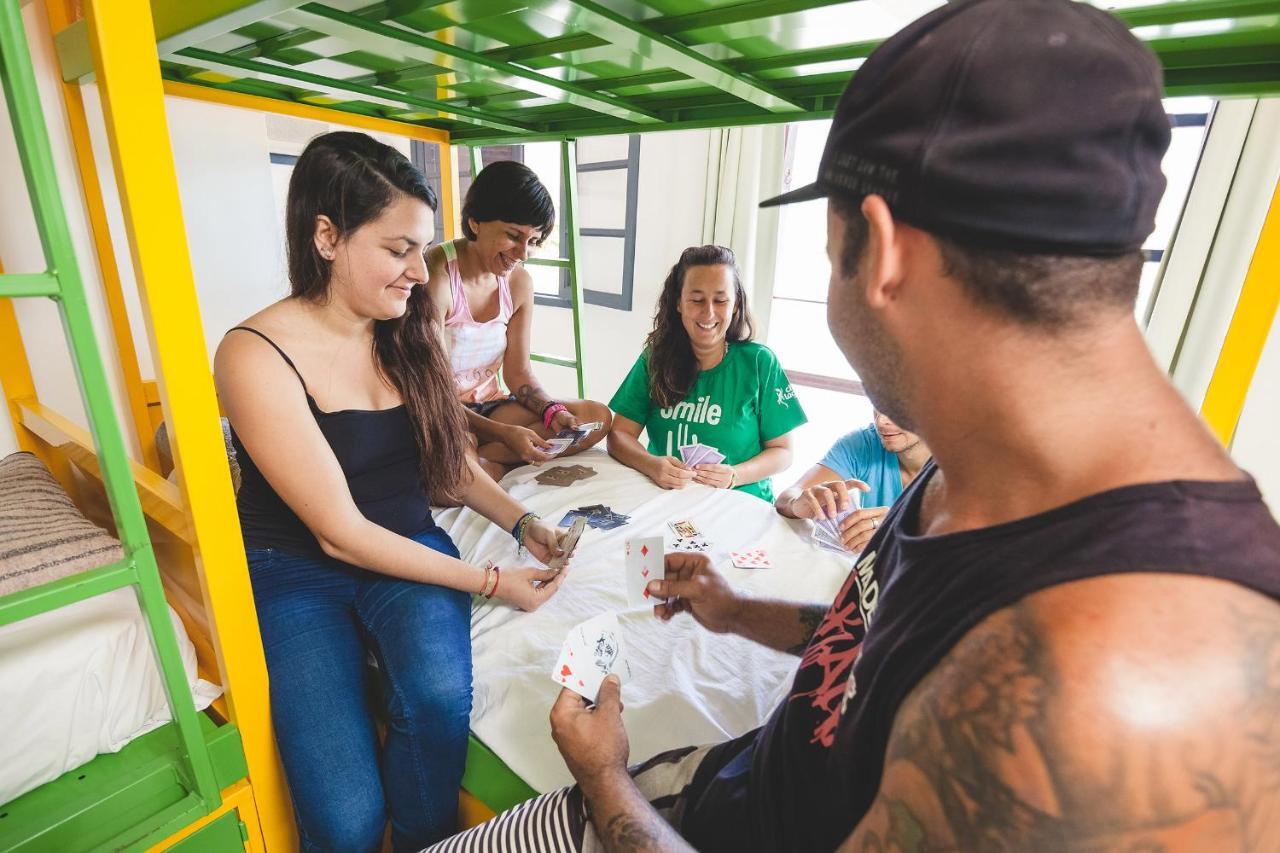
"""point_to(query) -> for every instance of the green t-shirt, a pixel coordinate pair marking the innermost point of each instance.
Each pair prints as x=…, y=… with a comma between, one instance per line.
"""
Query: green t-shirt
x=735, y=407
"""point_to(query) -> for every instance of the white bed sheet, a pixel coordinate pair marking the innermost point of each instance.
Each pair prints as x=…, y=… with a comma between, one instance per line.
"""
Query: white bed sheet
x=80, y=681
x=688, y=686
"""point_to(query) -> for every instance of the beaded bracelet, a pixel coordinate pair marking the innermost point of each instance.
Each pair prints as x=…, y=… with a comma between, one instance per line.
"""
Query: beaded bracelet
x=733, y=476
x=551, y=411
x=518, y=531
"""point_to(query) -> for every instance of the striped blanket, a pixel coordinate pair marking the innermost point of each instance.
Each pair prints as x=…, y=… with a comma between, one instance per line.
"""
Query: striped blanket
x=43, y=536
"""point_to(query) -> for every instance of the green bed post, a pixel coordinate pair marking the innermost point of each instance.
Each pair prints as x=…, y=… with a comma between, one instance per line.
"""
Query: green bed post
x=63, y=284
x=569, y=174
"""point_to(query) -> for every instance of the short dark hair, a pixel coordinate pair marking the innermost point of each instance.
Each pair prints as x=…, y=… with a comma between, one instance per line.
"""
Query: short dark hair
x=511, y=192
x=1042, y=290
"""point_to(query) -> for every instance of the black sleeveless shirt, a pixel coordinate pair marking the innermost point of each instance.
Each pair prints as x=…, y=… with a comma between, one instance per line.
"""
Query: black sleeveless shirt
x=379, y=457
x=807, y=777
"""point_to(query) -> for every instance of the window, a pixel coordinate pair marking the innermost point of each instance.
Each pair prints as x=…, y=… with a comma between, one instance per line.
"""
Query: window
x=825, y=383
x=608, y=192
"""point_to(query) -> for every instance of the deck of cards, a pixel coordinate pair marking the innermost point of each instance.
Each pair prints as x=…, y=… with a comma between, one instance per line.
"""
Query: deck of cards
x=700, y=454
x=564, y=475
x=598, y=516
x=576, y=434
x=592, y=651
x=826, y=531
x=568, y=544
x=644, y=563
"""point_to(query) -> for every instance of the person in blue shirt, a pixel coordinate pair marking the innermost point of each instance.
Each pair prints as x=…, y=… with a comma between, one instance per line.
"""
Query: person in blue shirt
x=879, y=460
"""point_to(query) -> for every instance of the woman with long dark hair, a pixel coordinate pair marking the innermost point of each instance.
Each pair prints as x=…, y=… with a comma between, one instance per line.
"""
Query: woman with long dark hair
x=702, y=380
x=346, y=425
x=485, y=296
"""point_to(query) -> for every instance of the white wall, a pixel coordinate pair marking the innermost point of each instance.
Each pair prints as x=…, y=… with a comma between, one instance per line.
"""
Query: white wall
x=669, y=218
x=20, y=251
x=1256, y=447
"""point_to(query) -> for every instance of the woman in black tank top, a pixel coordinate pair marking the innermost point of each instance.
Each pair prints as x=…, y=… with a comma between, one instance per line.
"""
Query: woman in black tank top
x=344, y=417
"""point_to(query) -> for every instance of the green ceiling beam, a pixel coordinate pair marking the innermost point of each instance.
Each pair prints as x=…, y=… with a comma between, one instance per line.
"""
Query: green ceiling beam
x=642, y=41
x=722, y=16
x=1194, y=10
x=237, y=66
x=378, y=37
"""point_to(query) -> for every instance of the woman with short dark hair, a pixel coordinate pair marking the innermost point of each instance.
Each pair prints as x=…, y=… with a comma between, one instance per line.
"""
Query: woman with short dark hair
x=481, y=288
x=702, y=380
x=345, y=425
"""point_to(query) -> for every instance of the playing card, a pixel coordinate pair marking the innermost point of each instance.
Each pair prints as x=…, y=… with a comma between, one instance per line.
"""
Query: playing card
x=564, y=475
x=824, y=538
x=592, y=650
x=683, y=529
x=570, y=542
x=558, y=445
x=695, y=454
x=644, y=564
x=756, y=558
x=710, y=456
x=685, y=450
x=693, y=544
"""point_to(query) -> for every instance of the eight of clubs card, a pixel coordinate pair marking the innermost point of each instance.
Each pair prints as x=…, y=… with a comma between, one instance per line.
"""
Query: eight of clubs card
x=644, y=564
x=592, y=650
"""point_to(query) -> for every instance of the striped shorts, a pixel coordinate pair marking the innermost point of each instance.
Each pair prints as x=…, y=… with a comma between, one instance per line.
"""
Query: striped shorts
x=559, y=822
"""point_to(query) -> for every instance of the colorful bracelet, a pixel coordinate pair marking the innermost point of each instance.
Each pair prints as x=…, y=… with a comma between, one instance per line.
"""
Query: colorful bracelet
x=549, y=413
x=518, y=531
x=497, y=579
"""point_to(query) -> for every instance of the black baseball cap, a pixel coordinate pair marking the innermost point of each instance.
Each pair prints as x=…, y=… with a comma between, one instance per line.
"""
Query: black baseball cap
x=1030, y=125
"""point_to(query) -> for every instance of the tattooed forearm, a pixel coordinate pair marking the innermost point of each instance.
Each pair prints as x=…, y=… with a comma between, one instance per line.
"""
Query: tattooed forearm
x=625, y=833
x=810, y=618
x=533, y=398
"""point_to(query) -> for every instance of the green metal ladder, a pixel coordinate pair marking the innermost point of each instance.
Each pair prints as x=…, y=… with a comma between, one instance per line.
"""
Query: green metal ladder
x=62, y=283
x=569, y=180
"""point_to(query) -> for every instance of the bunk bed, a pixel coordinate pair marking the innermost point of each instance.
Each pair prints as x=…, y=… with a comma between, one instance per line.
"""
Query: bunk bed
x=444, y=72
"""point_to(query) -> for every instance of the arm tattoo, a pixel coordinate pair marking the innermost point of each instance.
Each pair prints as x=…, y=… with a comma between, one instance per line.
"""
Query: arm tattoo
x=991, y=753
x=626, y=833
x=532, y=398
x=810, y=618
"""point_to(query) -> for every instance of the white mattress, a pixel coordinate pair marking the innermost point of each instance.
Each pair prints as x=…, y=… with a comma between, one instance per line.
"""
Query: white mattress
x=688, y=686
x=80, y=681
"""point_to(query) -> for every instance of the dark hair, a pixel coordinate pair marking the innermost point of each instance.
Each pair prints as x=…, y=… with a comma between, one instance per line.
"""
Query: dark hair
x=351, y=178
x=509, y=191
x=673, y=368
x=1048, y=291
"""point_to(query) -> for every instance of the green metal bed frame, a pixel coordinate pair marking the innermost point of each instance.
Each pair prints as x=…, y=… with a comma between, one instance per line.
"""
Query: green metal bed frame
x=486, y=72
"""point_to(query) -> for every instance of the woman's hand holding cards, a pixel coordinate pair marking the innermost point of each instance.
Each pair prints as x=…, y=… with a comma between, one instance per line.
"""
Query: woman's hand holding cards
x=527, y=588
x=543, y=541
x=826, y=500
x=527, y=444
x=717, y=476
x=564, y=420
x=692, y=586
x=669, y=473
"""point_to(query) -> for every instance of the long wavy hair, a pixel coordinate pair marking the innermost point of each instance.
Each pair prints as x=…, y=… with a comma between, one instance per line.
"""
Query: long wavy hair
x=352, y=178
x=673, y=368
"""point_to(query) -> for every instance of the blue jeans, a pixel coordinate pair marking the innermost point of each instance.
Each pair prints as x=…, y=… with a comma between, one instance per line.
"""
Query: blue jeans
x=320, y=619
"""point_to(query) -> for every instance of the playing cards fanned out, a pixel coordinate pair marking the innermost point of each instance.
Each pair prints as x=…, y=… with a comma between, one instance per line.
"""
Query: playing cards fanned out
x=826, y=531
x=598, y=516
x=644, y=564
x=700, y=454
x=592, y=651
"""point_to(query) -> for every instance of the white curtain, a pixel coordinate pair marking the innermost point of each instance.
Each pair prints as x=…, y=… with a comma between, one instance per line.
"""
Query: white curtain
x=744, y=167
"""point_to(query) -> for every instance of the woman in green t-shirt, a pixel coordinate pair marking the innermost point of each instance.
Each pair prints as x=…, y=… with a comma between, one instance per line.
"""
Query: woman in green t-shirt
x=702, y=380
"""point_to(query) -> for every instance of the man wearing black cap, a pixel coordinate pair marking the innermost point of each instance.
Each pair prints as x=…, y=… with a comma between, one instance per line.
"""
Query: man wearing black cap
x=1065, y=635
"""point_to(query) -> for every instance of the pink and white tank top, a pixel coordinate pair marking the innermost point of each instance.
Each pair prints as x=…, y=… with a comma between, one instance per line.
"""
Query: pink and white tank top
x=475, y=349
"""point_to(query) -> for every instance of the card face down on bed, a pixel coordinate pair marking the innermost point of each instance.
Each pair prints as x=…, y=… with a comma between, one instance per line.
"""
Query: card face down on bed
x=43, y=537
x=687, y=686
x=79, y=680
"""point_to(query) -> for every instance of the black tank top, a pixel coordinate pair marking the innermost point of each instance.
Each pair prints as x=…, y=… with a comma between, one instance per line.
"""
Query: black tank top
x=805, y=780
x=379, y=457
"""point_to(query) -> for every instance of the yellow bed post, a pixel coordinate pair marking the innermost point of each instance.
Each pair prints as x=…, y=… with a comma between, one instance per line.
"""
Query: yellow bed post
x=1247, y=335
x=122, y=39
